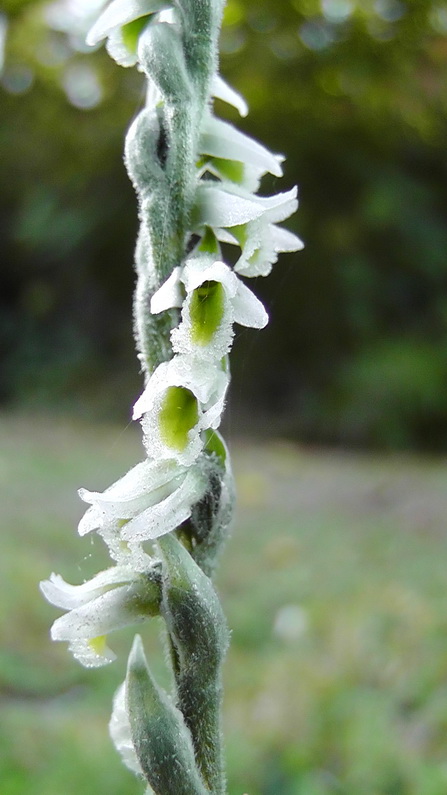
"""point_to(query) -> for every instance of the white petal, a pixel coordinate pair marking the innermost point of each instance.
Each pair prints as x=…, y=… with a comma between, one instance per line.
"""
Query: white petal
x=221, y=90
x=200, y=378
x=225, y=236
x=283, y=240
x=92, y=520
x=262, y=244
x=63, y=594
x=183, y=371
x=111, y=610
x=212, y=417
x=120, y=732
x=169, y=514
x=278, y=207
x=158, y=381
x=219, y=345
x=145, y=484
x=216, y=207
x=169, y=295
x=198, y=270
x=119, y=13
x=119, y=51
x=248, y=310
x=221, y=139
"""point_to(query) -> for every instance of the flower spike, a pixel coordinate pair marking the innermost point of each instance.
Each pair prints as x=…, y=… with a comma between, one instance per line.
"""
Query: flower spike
x=164, y=522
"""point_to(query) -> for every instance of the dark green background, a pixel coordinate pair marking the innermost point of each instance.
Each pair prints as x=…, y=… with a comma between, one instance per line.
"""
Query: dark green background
x=355, y=94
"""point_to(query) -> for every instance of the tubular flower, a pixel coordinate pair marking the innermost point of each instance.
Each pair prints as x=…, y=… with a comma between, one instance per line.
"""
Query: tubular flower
x=233, y=156
x=152, y=499
x=249, y=221
x=111, y=600
x=121, y=24
x=183, y=397
x=215, y=300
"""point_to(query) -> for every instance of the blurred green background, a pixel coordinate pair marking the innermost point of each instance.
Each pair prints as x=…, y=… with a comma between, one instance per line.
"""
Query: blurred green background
x=355, y=94
x=334, y=586
x=334, y=583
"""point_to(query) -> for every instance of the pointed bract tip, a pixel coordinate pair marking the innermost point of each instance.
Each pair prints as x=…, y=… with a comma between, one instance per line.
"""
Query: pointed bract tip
x=137, y=658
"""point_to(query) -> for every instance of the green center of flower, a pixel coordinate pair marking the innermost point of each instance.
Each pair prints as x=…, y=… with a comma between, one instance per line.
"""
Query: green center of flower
x=178, y=415
x=231, y=169
x=206, y=311
x=131, y=32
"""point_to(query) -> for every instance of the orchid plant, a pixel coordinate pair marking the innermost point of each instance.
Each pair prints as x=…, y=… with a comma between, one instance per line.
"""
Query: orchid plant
x=196, y=178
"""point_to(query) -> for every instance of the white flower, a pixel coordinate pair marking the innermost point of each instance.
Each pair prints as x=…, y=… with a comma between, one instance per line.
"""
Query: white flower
x=121, y=24
x=183, y=397
x=260, y=244
x=111, y=600
x=152, y=499
x=121, y=733
x=215, y=299
x=241, y=218
x=234, y=156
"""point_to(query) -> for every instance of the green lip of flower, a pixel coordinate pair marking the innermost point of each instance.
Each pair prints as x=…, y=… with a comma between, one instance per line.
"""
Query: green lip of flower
x=215, y=299
x=206, y=311
x=131, y=32
x=178, y=415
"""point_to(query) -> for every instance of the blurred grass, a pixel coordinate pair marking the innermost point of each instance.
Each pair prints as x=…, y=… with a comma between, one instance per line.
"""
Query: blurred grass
x=335, y=589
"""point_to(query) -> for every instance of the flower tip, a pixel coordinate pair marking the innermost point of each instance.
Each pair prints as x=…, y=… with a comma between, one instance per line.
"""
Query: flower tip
x=45, y=587
x=137, y=412
x=91, y=39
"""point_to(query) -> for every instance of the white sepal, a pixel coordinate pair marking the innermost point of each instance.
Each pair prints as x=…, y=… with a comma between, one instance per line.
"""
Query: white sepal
x=221, y=90
x=145, y=485
x=169, y=514
x=121, y=12
x=118, y=50
x=216, y=207
x=249, y=221
x=222, y=140
x=260, y=244
x=169, y=295
x=103, y=614
x=247, y=309
x=62, y=594
x=153, y=498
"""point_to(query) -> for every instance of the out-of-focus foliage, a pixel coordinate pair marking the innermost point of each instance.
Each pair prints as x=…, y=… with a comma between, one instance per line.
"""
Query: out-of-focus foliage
x=355, y=94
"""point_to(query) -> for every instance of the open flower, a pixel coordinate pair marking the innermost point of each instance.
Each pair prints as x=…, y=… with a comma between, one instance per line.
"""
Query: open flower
x=152, y=499
x=234, y=156
x=183, y=397
x=249, y=221
x=260, y=244
x=215, y=299
x=111, y=600
x=121, y=24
